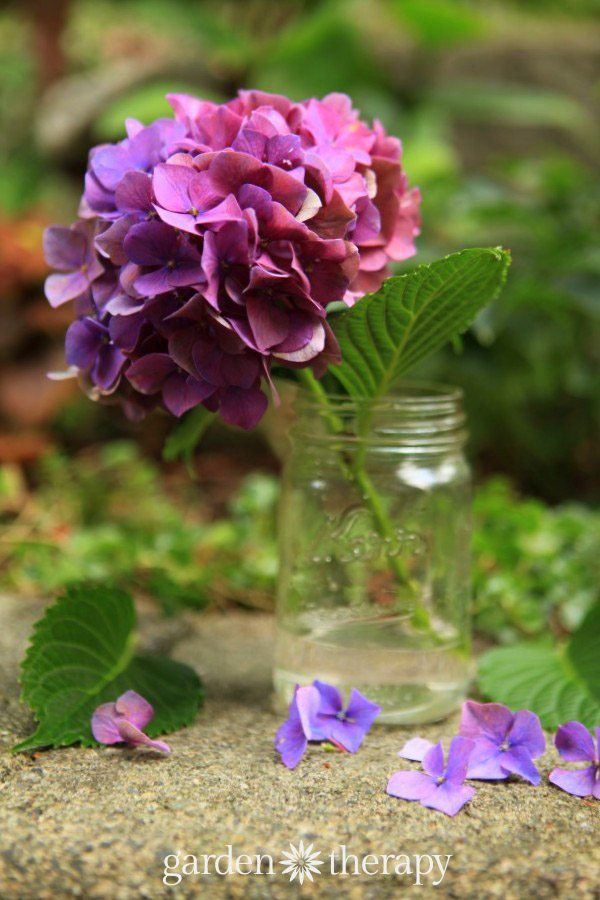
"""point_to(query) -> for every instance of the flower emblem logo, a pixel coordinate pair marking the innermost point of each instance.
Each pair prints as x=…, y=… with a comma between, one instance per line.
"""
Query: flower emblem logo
x=301, y=862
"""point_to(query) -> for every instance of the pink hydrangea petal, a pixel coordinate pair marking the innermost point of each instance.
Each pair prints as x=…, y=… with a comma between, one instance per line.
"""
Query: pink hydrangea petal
x=133, y=735
x=449, y=798
x=135, y=708
x=433, y=760
x=575, y=743
x=458, y=759
x=580, y=782
x=411, y=785
x=415, y=749
x=104, y=728
x=492, y=720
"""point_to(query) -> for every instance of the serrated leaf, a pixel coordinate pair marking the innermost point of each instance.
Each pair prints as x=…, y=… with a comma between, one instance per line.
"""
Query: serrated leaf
x=413, y=315
x=81, y=655
x=584, y=652
x=535, y=677
x=186, y=435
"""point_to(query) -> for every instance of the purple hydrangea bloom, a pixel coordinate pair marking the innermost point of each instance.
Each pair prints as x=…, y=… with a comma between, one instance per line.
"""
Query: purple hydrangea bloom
x=123, y=721
x=293, y=736
x=505, y=743
x=575, y=744
x=343, y=727
x=439, y=787
x=246, y=220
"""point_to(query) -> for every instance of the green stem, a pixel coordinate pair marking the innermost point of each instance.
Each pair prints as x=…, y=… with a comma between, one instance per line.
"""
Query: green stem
x=358, y=474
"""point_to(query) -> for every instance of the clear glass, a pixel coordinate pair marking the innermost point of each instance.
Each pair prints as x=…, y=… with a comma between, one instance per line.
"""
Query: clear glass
x=374, y=585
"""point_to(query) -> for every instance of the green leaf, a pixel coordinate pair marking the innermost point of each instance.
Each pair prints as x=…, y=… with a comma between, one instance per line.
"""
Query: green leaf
x=558, y=685
x=81, y=655
x=186, y=435
x=413, y=315
x=583, y=652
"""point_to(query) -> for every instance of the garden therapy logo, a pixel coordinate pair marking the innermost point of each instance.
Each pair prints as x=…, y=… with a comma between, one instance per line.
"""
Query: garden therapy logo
x=299, y=863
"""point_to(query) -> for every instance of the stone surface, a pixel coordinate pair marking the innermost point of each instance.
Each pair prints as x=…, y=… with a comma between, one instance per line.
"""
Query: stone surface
x=98, y=823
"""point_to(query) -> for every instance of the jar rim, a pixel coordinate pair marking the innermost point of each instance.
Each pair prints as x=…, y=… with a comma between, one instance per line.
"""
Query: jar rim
x=413, y=396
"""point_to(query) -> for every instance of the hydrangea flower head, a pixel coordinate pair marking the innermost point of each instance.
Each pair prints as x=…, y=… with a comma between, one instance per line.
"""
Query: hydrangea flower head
x=439, y=786
x=575, y=744
x=123, y=721
x=210, y=245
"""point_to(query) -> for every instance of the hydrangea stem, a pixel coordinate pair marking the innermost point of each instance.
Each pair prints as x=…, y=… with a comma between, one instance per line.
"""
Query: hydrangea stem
x=358, y=474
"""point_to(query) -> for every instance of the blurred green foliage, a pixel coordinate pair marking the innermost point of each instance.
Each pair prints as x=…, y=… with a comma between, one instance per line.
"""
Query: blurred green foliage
x=107, y=516
x=536, y=569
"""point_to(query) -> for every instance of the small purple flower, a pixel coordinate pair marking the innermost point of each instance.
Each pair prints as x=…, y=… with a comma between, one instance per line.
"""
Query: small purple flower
x=505, y=743
x=345, y=728
x=317, y=714
x=575, y=744
x=173, y=262
x=123, y=720
x=438, y=787
x=292, y=737
x=88, y=347
x=71, y=251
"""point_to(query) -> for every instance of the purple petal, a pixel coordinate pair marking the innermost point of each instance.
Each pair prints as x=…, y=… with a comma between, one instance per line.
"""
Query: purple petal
x=241, y=369
x=60, y=289
x=448, y=798
x=597, y=733
x=331, y=701
x=307, y=704
x=269, y=323
x=256, y=198
x=108, y=366
x=182, y=392
x=362, y=711
x=575, y=743
x=580, y=782
x=411, y=785
x=203, y=193
x=151, y=244
x=110, y=242
x=518, y=761
x=64, y=248
x=104, y=728
x=492, y=720
x=433, y=761
x=134, y=736
x=226, y=211
x=171, y=187
x=526, y=731
x=82, y=341
x=484, y=761
x=415, y=749
x=291, y=742
x=135, y=708
x=152, y=284
x=348, y=734
x=134, y=193
x=458, y=758
x=310, y=350
x=243, y=408
x=148, y=374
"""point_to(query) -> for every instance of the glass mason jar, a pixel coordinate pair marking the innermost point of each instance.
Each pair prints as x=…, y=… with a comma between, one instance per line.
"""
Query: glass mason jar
x=374, y=552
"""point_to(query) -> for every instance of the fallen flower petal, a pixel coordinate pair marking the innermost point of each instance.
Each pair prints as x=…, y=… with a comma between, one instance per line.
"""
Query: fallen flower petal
x=293, y=736
x=123, y=720
x=438, y=787
x=505, y=743
x=415, y=749
x=575, y=744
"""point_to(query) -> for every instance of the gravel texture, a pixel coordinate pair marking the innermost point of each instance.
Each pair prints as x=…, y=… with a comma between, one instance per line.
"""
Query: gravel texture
x=98, y=823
